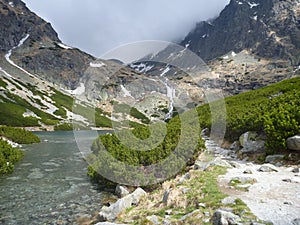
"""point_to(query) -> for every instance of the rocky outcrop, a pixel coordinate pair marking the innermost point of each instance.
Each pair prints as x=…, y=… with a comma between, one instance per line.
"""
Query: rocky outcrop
x=293, y=143
x=42, y=52
x=110, y=213
x=251, y=143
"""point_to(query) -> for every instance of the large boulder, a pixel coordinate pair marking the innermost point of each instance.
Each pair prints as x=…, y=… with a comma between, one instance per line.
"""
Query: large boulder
x=225, y=218
x=293, y=143
x=251, y=144
x=110, y=213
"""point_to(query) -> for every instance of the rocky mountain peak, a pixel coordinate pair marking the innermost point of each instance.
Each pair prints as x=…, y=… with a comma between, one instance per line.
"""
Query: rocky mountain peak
x=268, y=28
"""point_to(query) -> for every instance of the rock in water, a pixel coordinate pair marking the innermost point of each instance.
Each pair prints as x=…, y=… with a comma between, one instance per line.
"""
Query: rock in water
x=110, y=213
x=224, y=218
x=293, y=143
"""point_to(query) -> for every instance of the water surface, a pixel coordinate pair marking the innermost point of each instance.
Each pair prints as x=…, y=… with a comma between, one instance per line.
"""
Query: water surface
x=50, y=185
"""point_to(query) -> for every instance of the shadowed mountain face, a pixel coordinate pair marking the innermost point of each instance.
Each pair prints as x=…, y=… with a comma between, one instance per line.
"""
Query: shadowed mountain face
x=41, y=52
x=268, y=28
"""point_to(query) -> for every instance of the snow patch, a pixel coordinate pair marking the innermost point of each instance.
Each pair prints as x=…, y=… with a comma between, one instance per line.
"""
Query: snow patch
x=165, y=71
x=233, y=54
x=11, y=143
x=11, y=4
x=254, y=17
x=253, y=4
x=126, y=92
x=64, y=46
x=5, y=73
x=187, y=45
x=76, y=117
x=96, y=65
x=78, y=91
x=8, y=55
x=29, y=113
x=142, y=68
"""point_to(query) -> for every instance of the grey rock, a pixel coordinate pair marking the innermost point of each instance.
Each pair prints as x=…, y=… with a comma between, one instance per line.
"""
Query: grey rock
x=272, y=158
x=296, y=221
x=225, y=218
x=248, y=171
x=235, y=146
x=293, y=143
x=251, y=144
x=296, y=170
x=192, y=214
x=166, y=196
x=205, y=132
x=243, y=180
x=121, y=191
x=185, y=177
x=229, y=200
x=153, y=219
x=199, y=165
x=220, y=162
x=268, y=168
x=110, y=213
x=166, y=222
x=185, y=190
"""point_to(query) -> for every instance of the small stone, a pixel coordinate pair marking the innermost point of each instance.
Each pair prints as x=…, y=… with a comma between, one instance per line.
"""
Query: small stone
x=187, y=176
x=166, y=196
x=199, y=165
x=288, y=203
x=248, y=171
x=185, y=190
x=169, y=211
x=153, y=219
x=207, y=214
x=235, y=146
x=287, y=180
x=202, y=205
x=296, y=170
x=229, y=201
x=268, y=168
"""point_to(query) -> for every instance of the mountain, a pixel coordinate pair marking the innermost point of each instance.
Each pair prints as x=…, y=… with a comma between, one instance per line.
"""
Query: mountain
x=267, y=28
x=32, y=43
x=251, y=44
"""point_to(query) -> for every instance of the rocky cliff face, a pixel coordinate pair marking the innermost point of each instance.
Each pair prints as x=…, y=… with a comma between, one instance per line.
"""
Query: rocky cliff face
x=267, y=28
x=41, y=51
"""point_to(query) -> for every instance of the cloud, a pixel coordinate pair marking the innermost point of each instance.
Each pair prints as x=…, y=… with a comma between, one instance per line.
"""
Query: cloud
x=97, y=26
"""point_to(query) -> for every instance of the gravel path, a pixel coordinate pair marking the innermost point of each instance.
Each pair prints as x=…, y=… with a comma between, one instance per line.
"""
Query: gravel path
x=275, y=197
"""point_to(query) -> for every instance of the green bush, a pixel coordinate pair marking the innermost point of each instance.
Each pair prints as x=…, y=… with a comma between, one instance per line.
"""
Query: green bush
x=8, y=156
x=272, y=111
x=141, y=154
x=63, y=127
x=19, y=135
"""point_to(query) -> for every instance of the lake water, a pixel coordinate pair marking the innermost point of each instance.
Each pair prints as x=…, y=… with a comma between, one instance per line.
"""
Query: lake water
x=50, y=185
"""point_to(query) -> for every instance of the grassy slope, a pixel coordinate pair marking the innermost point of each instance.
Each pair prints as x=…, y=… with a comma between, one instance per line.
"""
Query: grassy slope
x=273, y=111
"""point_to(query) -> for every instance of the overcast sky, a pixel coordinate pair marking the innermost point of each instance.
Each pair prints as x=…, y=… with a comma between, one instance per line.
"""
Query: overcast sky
x=97, y=26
